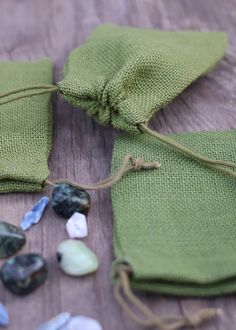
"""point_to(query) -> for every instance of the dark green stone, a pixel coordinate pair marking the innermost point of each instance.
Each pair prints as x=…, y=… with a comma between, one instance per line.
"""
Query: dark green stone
x=67, y=199
x=23, y=274
x=12, y=239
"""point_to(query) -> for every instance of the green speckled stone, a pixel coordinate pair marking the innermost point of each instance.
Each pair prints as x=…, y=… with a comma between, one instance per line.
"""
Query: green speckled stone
x=12, y=239
x=67, y=199
x=76, y=259
x=23, y=274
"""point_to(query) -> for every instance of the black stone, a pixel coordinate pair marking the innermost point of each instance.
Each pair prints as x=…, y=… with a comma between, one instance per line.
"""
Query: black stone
x=67, y=199
x=12, y=239
x=24, y=273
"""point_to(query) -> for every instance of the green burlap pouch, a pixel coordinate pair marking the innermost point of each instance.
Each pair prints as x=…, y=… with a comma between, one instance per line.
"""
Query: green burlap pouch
x=121, y=75
x=175, y=226
x=25, y=127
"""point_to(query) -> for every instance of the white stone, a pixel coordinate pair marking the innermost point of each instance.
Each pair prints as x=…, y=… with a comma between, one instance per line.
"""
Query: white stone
x=82, y=323
x=76, y=226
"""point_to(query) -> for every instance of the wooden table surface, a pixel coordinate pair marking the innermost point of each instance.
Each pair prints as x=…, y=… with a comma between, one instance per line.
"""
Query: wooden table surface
x=82, y=149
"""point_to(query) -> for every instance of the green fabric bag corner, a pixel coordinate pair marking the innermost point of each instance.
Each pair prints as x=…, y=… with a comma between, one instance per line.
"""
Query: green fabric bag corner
x=175, y=227
x=25, y=127
x=121, y=76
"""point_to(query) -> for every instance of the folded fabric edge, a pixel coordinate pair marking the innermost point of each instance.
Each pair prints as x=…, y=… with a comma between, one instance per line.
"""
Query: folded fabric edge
x=174, y=287
x=9, y=186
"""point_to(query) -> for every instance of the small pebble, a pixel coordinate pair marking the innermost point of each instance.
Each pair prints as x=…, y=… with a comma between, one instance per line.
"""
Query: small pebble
x=76, y=259
x=24, y=273
x=4, y=317
x=12, y=239
x=56, y=323
x=67, y=199
x=33, y=216
x=76, y=226
x=82, y=323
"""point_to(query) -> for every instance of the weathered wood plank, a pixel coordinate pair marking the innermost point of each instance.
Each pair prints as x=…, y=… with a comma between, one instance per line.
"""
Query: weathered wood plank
x=82, y=149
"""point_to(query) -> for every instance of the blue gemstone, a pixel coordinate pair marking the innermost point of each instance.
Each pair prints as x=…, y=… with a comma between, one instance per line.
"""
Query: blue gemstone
x=4, y=317
x=56, y=323
x=33, y=216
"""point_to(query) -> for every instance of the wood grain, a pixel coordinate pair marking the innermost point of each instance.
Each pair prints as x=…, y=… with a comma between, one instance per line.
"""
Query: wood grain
x=82, y=149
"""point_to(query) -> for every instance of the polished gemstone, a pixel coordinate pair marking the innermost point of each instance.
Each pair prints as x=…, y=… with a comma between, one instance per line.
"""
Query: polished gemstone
x=67, y=199
x=56, y=322
x=82, y=323
x=76, y=226
x=4, y=317
x=34, y=215
x=24, y=273
x=76, y=259
x=12, y=239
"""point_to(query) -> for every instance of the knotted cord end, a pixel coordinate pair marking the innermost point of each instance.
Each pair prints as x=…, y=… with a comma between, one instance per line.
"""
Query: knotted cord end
x=140, y=164
x=202, y=315
x=129, y=164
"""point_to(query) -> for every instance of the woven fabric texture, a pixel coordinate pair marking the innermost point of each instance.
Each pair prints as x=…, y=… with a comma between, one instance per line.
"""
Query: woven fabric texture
x=176, y=226
x=25, y=127
x=121, y=75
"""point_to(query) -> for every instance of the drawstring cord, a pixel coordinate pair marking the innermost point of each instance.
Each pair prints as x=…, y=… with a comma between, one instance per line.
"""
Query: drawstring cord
x=129, y=164
x=25, y=92
x=171, y=142
x=125, y=296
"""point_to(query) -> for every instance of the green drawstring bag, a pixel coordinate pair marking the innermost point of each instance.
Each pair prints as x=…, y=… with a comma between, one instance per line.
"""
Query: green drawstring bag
x=174, y=228
x=121, y=75
x=25, y=126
